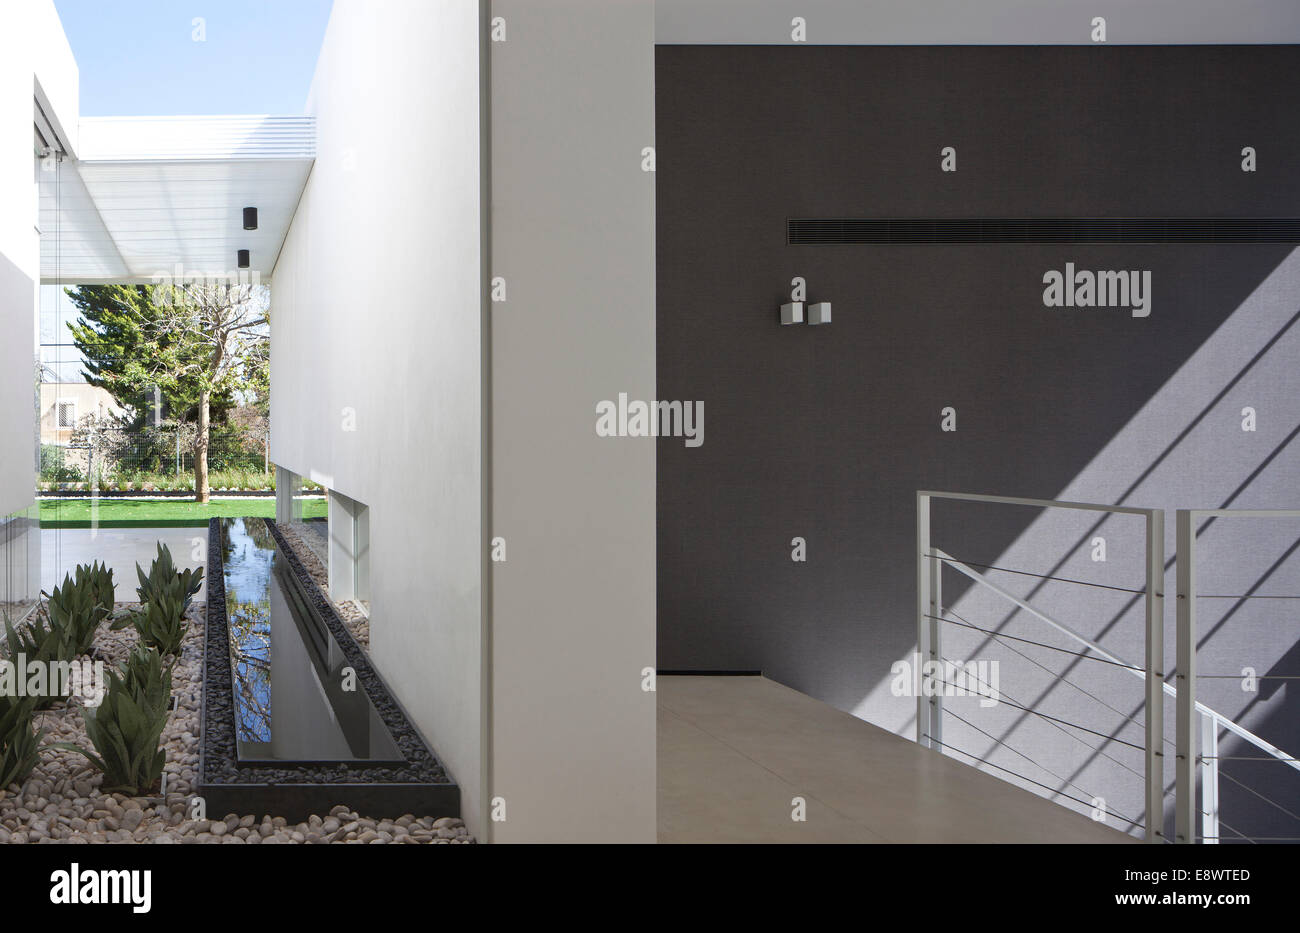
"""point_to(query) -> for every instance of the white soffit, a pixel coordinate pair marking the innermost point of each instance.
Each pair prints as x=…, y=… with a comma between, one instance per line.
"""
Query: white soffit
x=149, y=194
x=75, y=237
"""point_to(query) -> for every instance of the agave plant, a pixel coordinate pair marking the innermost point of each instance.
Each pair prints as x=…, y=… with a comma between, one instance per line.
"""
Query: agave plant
x=161, y=624
x=20, y=744
x=77, y=607
x=146, y=677
x=39, y=643
x=165, y=580
x=126, y=726
x=165, y=595
x=98, y=578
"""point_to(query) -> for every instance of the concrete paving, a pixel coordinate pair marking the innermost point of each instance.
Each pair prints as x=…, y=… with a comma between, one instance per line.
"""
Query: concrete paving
x=734, y=752
x=121, y=548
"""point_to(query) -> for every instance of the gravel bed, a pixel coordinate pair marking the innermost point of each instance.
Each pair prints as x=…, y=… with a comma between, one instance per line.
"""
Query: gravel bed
x=61, y=801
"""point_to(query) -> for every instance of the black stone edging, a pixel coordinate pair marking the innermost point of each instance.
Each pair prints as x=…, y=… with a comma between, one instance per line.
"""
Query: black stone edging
x=294, y=791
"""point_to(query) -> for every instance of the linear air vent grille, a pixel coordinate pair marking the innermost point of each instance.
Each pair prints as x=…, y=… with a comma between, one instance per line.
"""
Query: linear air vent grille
x=840, y=231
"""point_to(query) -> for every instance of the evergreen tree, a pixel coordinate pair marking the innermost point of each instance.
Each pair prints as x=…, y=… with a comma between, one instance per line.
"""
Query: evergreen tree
x=119, y=332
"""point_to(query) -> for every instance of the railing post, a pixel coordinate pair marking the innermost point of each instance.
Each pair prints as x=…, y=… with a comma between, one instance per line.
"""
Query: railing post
x=1185, y=738
x=1155, y=675
x=1209, y=778
x=936, y=649
x=923, y=594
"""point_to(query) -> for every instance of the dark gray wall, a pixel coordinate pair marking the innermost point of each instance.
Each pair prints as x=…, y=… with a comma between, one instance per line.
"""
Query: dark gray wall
x=827, y=433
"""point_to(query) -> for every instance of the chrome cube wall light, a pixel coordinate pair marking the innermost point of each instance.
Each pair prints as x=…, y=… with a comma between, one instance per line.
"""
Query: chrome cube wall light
x=819, y=313
x=250, y=218
x=792, y=313
x=243, y=259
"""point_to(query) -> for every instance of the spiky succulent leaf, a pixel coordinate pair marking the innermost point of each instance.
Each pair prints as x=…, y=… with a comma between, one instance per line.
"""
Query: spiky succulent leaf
x=77, y=606
x=20, y=744
x=98, y=580
x=126, y=727
x=161, y=624
x=164, y=581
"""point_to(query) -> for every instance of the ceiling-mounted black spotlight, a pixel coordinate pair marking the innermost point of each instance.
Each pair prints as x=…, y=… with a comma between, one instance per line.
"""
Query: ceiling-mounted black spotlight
x=250, y=218
x=243, y=259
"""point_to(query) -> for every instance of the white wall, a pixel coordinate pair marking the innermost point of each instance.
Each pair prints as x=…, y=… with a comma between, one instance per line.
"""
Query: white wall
x=57, y=78
x=35, y=61
x=573, y=606
x=18, y=266
x=376, y=298
x=376, y=325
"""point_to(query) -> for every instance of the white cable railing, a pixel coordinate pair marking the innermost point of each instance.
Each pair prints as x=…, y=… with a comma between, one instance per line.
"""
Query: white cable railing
x=931, y=615
x=1212, y=722
x=1198, y=726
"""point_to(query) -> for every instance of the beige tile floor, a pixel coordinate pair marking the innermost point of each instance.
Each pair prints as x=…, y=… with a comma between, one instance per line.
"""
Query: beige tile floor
x=734, y=751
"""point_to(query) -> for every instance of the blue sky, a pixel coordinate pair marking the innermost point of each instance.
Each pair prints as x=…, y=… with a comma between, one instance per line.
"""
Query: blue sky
x=141, y=57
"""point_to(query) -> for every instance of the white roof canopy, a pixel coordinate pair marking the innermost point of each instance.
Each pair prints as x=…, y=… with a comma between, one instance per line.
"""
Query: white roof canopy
x=149, y=194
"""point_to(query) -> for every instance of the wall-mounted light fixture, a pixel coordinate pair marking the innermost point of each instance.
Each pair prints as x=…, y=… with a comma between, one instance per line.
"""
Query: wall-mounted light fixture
x=819, y=313
x=250, y=218
x=243, y=259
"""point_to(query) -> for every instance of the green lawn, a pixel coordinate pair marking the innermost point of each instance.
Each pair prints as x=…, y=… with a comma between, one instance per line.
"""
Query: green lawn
x=138, y=513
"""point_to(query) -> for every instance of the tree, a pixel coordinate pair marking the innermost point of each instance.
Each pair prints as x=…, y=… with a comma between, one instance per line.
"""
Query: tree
x=116, y=334
x=204, y=335
x=253, y=417
x=256, y=382
x=255, y=430
x=104, y=440
x=190, y=341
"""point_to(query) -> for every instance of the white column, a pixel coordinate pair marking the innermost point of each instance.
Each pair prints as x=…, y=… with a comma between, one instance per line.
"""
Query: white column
x=342, y=547
x=1186, y=735
x=361, y=577
x=924, y=593
x=1155, y=676
x=1209, y=778
x=287, y=486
